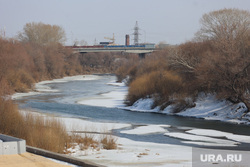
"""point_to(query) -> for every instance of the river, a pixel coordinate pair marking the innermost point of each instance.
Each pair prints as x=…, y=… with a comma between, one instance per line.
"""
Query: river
x=63, y=99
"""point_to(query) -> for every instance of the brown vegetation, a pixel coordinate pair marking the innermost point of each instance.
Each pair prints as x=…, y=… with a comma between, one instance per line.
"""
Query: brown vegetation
x=39, y=55
x=228, y=31
x=42, y=34
x=49, y=134
x=109, y=142
x=218, y=61
x=162, y=85
x=89, y=140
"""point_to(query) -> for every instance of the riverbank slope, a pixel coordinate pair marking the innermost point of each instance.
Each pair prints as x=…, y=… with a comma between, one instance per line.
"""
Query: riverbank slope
x=206, y=107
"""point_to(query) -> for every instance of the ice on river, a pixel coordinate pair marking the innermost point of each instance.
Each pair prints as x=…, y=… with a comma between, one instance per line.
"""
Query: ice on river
x=137, y=153
x=42, y=86
x=148, y=129
x=208, y=140
x=111, y=99
x=216, y=133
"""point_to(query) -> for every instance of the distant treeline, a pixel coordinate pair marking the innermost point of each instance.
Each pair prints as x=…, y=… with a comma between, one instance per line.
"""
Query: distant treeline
x=217, y=61
x=38, y=54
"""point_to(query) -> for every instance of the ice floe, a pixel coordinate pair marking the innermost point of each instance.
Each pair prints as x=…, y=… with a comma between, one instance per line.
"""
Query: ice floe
x=216, y=133
x=113, y=99
x=148, y=129
x=201, y=138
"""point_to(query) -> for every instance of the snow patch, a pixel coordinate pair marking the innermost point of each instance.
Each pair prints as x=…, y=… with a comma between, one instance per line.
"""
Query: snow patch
x=149, y=129
x=143, y=105
x=216, y=133
x=113, y=99
x=20, y=95
x=201, y=139
x=207, y=144
x=74, y=124
x=114, y=83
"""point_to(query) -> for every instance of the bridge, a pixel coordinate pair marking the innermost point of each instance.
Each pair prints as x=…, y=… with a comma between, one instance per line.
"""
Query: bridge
x=137, y=49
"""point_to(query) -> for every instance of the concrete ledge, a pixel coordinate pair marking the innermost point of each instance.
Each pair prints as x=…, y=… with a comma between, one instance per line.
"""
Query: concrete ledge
x=61, y=157
x=11, y=145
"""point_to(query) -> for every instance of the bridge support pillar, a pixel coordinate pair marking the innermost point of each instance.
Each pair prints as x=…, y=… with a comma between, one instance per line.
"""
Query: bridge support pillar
x=142, y=55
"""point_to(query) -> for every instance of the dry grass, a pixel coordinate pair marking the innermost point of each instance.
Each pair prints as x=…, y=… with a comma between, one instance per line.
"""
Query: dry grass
x=95, y=141
x=49, y=134
x=86, y=141
x=91, y=138
x=109, y=142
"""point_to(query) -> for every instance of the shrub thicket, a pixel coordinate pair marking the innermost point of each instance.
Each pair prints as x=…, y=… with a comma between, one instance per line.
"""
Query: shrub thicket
x=158, y=84
x=216, y=62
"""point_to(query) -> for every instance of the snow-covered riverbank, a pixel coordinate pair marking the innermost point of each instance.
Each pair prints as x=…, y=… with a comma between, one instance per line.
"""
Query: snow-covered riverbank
x=138, y=153
x=206, y=107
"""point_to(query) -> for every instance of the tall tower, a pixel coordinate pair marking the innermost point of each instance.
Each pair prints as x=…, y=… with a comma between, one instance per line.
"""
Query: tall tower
x=136, y=34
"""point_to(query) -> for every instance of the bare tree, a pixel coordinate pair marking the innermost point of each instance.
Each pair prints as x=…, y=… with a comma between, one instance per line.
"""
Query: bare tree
x=226, y=69
x=226, y=23
x=42, y=34
x=227, y=28
x=187, y=56
x=178, y=59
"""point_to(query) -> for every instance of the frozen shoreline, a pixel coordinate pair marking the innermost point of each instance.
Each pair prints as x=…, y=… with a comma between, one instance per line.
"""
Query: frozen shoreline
x=42, y=87
x=206, y=107
x=135, y=153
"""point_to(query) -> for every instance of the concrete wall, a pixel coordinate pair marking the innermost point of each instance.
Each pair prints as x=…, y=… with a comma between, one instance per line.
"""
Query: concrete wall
x=11, y=145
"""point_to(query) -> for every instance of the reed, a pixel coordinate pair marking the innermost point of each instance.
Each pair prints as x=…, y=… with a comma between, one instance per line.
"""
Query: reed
x=49, y=134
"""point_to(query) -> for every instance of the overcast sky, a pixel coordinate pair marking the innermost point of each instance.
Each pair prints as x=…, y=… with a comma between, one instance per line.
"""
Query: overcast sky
x=172, y=21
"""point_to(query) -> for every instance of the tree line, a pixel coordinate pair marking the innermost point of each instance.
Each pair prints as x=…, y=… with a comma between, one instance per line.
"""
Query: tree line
x=216, y=61
x=38, y=54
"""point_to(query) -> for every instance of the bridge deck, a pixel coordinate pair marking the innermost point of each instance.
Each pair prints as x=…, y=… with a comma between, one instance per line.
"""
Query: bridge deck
x=137, y=50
